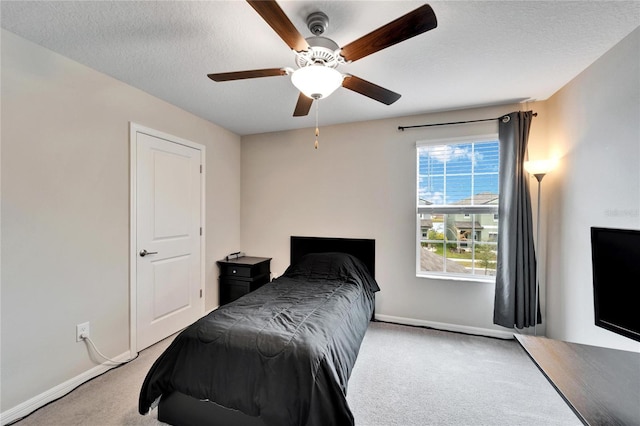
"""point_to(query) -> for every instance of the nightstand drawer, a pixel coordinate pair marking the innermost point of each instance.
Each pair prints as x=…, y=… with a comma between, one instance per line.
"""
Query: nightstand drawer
x=235, y=271
x=245, y=271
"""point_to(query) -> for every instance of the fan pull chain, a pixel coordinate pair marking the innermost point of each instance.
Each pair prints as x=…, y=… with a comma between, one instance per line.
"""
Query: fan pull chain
x=317, y=129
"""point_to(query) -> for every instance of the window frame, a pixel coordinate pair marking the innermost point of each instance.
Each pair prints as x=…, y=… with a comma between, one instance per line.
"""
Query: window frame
x=450, y=209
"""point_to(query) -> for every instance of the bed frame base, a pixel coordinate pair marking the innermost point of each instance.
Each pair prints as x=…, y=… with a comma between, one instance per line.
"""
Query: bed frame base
x=179, y=409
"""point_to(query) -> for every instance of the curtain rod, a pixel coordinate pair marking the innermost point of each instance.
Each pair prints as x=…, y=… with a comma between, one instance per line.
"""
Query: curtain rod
x=503, y=117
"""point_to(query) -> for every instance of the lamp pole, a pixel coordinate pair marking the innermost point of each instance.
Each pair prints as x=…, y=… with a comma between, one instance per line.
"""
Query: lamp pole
x=539, y=169
x=539, y=177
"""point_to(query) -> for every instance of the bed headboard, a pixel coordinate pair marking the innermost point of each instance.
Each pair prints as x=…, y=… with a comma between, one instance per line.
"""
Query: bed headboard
x=363, y=249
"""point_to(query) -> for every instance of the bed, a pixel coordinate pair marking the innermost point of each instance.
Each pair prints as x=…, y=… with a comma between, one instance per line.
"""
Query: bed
x=281, y=355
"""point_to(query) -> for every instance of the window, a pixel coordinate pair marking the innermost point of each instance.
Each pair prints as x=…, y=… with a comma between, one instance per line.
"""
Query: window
x=457, y=207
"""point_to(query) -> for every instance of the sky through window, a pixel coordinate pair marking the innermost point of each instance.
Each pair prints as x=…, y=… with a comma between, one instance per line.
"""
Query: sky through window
x=457, y=173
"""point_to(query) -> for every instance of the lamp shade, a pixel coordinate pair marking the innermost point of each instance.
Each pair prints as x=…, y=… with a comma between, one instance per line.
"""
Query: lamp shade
x=317, y=81
x=540, y=167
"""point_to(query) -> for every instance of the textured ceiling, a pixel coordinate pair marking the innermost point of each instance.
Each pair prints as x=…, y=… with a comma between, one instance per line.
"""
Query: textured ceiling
x=481, y=53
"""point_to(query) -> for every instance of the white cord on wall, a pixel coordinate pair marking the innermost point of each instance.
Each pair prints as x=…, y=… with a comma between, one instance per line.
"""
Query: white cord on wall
x=88, y=339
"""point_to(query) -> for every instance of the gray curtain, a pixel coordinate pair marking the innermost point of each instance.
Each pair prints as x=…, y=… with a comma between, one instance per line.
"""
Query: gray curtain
x=515, y=302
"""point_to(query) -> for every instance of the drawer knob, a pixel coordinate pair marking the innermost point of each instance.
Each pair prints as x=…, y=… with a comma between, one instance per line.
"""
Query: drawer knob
x=234, y=271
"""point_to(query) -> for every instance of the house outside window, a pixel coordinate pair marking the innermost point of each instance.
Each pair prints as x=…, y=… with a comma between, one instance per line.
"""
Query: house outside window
x=457, y=204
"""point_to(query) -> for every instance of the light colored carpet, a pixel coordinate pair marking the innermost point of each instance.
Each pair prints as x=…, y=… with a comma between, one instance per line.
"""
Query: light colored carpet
x=417, y=376
x=404, y=376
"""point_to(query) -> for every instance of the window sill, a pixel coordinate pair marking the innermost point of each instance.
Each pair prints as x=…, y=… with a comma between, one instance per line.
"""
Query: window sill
x=461, y=278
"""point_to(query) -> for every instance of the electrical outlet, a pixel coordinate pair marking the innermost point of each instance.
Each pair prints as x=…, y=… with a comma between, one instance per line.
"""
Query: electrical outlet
x=82, y=330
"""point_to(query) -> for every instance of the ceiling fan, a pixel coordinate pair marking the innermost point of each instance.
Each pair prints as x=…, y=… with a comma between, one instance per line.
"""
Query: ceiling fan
x=317, y=57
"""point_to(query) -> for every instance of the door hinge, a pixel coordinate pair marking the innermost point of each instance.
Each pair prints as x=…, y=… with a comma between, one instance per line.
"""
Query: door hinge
x=200, y=168
x=201, y=230
x=200, y=293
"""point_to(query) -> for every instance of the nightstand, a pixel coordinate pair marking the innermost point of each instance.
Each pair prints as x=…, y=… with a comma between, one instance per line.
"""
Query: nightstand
x=241, y=276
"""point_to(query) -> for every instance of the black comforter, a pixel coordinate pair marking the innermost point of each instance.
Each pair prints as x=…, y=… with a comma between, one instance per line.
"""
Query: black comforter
x=283, y=352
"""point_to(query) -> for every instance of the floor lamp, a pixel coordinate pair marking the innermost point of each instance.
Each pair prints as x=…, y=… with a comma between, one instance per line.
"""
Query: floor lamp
x=539, y=169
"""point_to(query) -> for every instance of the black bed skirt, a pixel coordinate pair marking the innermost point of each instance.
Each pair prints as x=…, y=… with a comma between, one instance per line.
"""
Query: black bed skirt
x=179, y=409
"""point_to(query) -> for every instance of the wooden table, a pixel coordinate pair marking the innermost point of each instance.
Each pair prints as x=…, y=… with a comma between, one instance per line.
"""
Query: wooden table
x=601, y=385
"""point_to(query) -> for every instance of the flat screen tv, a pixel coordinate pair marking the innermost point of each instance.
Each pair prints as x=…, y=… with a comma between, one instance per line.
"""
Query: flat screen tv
x=616, y=280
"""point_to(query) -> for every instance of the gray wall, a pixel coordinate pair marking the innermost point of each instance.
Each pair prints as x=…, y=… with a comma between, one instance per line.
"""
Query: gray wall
x=65, y=211
x=594, y=128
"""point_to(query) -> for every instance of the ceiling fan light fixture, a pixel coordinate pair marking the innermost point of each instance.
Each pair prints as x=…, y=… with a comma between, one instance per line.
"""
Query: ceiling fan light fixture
x=317, y=81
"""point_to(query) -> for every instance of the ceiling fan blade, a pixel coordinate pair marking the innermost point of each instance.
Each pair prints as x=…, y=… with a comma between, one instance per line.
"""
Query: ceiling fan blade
x=276, y=18
x=370, y=90
x=240, y=75
x=410, y=25
x=303, y=106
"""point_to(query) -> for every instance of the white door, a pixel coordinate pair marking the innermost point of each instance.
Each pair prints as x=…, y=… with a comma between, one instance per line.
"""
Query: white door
x=168, y=238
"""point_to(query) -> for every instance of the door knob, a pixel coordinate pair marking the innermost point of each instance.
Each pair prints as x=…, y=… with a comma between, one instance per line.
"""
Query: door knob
x=143, y=253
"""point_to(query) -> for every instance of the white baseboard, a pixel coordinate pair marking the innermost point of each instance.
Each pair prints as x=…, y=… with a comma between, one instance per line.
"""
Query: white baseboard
x=447, y=327
x=29, y=406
